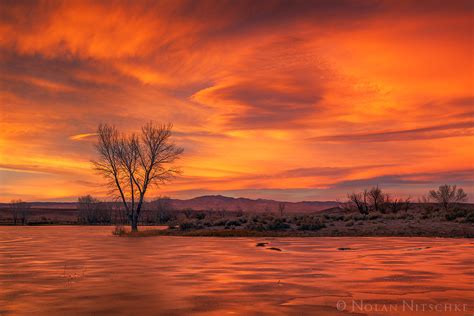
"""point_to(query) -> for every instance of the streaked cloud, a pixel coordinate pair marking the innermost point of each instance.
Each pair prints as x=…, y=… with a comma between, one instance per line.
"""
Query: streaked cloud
x=82, y=136
x=290, y=99
x=460, y=129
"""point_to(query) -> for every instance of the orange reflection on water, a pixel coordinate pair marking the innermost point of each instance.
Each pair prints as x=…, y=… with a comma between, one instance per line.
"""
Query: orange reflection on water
x=86, y=270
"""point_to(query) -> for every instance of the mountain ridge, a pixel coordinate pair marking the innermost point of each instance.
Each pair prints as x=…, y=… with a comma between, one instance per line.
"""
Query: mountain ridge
x=218, y=202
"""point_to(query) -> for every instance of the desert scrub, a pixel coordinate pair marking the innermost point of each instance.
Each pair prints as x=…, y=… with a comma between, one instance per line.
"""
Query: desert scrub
x=334, y=217
x=200, y=216
x=311, y=223
x=188, y=225
x=457, y=213
x=348, y=218
x=470, y=217
x=252, y=225
x=360, y=217
x=232, y=223
x=390, y=216
x=374, y=216
x=277, y=224
x=220, y=222
x=406, y=216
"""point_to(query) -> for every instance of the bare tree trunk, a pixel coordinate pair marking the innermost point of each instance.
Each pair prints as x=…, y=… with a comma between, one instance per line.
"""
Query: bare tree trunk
x=135, y=222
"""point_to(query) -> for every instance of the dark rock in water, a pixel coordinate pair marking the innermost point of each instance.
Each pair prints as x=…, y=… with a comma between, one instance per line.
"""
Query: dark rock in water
x=261, y=244
x=274, y=248
x=344, y=248
x=421, y=248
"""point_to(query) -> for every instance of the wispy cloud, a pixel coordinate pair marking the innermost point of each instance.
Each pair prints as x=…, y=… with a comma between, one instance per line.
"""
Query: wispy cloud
x=82, y=136
x=267, y=97
x=458, y=129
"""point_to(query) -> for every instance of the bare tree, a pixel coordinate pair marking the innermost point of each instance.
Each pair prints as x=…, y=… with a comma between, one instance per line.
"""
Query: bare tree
x=93, y=211
x=281, y=208
x=376, y=198
x=397, y=204
x=20, y=211
x=448, y=194
x=360, y=201
x=86, y=206
x=24, y=213
x=14, y=206
x=162, y=208
x=394, y=204
x=133, y=163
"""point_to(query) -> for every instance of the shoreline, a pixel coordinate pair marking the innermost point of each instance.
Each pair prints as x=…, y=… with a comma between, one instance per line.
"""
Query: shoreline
x=225, y=233
x=367, y=231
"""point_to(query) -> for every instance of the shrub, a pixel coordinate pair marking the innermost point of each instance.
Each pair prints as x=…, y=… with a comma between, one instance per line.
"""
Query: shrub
x=207, y=223
x=470, y=217
x=451, y=216
x=348, y=218
x=311, y=223
x=220, y=222
x=119, y=230
x=277, y=224
x=334, y=217
x=361, y=217
x=374, y=216
x=232, y=223
x=252, y=225
x=187, y=225
x=200, y=216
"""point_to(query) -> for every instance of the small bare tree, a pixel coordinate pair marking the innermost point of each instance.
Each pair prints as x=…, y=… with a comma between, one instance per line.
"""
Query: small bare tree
x=281, y=208
x=376, y=198
x=25, y=212
x=162, y=208
x=425, y=203
x=134, y=163
x=360, y=201
x=92, y=211
x=20, y=211
x=395, y=204
x=447, y=194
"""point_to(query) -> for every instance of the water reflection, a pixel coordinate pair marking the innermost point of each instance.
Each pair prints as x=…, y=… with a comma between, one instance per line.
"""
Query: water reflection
x=86, y=270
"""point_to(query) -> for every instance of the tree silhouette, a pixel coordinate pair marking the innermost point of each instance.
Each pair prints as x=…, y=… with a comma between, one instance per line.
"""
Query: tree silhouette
x=448, y=194
x=133, y=163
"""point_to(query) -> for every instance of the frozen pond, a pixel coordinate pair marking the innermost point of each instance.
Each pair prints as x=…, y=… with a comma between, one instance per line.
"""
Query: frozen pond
x=85, y=270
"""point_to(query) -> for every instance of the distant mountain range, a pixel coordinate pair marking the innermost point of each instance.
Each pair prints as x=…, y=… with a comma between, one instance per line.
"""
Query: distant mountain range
x=219, y=202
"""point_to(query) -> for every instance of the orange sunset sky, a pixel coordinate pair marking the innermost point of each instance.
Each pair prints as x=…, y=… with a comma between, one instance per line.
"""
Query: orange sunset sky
x=290, y=100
